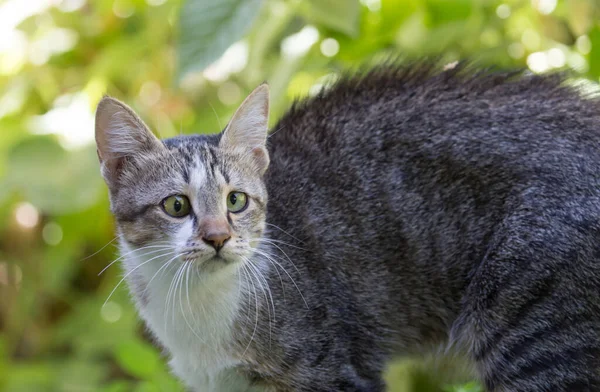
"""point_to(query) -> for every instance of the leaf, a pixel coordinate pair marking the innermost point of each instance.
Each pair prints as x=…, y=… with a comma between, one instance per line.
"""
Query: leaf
x=443, y=11
x=594, y=58
x=55, y=180
x=209, y=27
x=138, y=359
x=339, y=15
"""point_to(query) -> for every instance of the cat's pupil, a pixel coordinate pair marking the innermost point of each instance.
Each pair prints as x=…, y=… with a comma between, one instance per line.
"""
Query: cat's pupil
x=177, y=205
x=232, y=198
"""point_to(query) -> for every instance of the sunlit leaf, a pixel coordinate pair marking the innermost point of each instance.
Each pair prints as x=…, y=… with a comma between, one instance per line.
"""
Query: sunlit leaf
x=339, y=15
x=208, y=28
x=443, y=11
x=594, y=59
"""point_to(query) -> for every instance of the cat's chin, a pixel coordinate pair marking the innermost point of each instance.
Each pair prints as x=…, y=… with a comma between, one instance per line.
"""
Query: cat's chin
x=216, y=264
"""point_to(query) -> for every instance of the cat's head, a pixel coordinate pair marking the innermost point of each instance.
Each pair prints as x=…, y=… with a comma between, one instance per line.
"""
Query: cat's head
x=197, y=198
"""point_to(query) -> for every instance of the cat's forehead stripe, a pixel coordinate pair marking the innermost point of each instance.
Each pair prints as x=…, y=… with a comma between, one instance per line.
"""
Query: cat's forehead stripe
x=198, y=175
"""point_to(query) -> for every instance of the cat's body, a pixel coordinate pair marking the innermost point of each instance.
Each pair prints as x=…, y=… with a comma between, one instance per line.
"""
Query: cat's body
x=406, y=209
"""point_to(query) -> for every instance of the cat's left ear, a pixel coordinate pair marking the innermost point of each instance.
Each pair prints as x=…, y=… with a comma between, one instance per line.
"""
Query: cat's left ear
x=247, y=130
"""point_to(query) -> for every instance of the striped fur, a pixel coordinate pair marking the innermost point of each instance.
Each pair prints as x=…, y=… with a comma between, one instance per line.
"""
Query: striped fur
x=408, y=208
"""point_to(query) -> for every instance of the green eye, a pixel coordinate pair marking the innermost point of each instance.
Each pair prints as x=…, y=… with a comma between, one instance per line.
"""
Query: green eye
x=237, y=201
x=176, y=205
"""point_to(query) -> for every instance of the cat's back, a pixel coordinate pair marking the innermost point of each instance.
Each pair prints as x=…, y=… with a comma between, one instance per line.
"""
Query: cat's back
x=411, y=155
x=512, y=122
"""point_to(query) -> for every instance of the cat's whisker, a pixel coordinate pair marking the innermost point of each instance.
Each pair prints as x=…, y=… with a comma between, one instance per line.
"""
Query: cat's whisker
x=283, y=231
x=187, y=294
x=175, y=291
x=169, y=293
x=271, y=240
x=278, y=274
x=133, y=251
x=273, y=133
x=171, y=153
x=216, y=115
x=163, y=267
x=285, y=254
x=186, y=271
x=260, y=276
x=256, y=311
x=270, y=258
x=192, y=266
x=286, y=257
x=101, y=249
x=130, y=272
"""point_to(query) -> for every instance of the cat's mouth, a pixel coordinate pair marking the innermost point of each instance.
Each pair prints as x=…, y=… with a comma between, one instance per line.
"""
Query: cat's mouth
x=204, y=256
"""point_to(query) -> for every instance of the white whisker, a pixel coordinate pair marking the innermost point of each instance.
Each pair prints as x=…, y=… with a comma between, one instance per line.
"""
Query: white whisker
x=283, y=231
x=256, y=311
x=186, y=271
x=101, y=249
x=132, y=271
x=161, y=248
x=270, y=258
x=271, y=240
x=169, y=293
x=266, y=290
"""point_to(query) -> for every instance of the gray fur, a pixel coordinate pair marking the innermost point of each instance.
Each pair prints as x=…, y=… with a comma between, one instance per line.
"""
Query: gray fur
x=410, y=208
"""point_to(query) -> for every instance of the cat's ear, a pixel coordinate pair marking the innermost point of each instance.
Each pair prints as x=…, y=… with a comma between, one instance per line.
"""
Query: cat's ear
x=248, y=128
x=120, y=133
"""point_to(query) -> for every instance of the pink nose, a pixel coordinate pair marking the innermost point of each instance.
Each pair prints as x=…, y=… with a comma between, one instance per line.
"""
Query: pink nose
x=215, y=232
x=216, y=239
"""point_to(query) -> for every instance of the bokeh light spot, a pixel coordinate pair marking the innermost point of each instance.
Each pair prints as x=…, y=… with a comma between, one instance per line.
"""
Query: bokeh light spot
x=111, y=312
x=503, y=11
x=27, y=215
x=516, y=50
x=297, y=45
x=123, y=9
x=10, y=274
x=545, y=6
x=330, y=47
x=229, y=93
x=556, y=58
x=538, y=62
x=150, y=93
x=584, y=44
x=372, y=5
x=531, y=39
x=52, y=233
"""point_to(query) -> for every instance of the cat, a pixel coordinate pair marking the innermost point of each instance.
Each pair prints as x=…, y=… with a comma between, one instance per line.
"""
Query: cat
x=403, y=208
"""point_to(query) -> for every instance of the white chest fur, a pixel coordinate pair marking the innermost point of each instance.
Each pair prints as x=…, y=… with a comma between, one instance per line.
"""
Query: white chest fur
x=193, y=318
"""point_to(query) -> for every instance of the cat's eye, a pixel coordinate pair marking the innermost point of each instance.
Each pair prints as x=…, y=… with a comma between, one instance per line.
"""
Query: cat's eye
x=177, y=206
x=237, y=201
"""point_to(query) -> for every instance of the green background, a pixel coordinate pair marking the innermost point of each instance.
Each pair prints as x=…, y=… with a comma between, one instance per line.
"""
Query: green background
x=185, y=70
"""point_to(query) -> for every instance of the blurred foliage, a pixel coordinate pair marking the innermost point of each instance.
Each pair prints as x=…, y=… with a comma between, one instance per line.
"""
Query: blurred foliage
x=184, y=67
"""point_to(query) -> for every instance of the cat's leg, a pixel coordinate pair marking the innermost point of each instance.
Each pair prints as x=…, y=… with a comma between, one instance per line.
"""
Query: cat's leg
x=532, y=313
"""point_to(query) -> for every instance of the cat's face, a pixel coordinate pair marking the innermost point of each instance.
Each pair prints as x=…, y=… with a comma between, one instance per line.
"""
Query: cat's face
x=198, y=199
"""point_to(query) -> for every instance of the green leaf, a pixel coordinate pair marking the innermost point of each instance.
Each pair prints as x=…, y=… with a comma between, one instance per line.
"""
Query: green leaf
x=339, y=15
x=594, y=58
x=443, y=11
x=138, y=359
x=209, y=27
x=55, y=180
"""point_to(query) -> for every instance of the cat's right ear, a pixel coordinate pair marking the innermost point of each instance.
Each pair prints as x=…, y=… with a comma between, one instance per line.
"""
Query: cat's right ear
x=248, y=128
x=120, y=133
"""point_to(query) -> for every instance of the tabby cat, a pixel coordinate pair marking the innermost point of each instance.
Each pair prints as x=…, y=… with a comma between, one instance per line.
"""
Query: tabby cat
x=400, y=209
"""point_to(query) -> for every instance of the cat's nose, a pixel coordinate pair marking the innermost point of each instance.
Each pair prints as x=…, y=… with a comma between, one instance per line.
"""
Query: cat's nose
x=216, y=239
x=215, y=232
